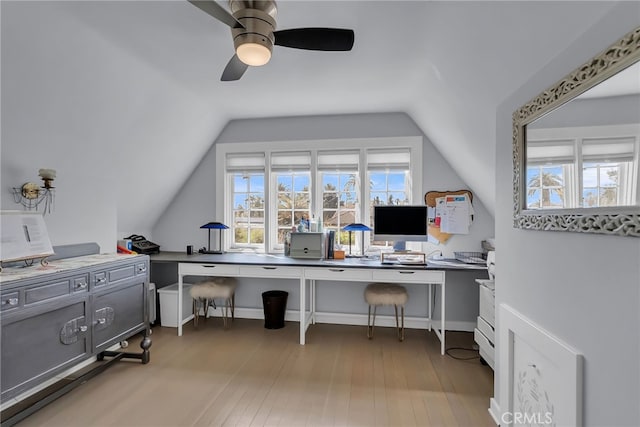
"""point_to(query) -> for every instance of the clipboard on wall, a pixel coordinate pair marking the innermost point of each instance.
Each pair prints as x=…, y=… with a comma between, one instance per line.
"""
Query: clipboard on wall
x=434, y=200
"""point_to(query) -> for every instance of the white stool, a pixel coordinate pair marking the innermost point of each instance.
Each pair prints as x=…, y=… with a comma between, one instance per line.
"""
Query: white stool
x=208, y=290
x=376, y=294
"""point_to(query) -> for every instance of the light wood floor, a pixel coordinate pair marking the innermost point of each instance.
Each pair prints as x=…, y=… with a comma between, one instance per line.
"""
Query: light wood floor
x=251, y=376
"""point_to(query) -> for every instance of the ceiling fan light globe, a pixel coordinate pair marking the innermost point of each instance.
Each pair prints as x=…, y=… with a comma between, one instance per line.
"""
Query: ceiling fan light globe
x=253, y=54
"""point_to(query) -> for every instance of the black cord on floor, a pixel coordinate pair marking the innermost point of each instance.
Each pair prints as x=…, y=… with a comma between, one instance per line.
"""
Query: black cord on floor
x=476, y=356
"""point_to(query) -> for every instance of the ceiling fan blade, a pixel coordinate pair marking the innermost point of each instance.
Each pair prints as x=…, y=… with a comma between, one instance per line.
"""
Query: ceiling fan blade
x=234, y=69
x=217, y=11
x=329, y=39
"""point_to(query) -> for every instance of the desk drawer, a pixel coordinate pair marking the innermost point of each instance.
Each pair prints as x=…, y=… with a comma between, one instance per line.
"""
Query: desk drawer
x=408, y=276
x=270, y=271
x=337, y=273
x=187, y=269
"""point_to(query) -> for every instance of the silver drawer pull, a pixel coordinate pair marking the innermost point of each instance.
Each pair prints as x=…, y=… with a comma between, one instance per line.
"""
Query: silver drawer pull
x=142, y=269
x=102, y=321
x=12, y=301
x=338, y=270
x=209, y=266
x=269, y=268
x=406, y=272
x=81, y=285
x=101, y=280
x=83, y=328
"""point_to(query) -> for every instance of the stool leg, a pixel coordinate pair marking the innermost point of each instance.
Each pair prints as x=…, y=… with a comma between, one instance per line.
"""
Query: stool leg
x=395, y=307
x=233, y=306
x=196, y=311
x=402, y=333
x=370, y=326
x=224, y=310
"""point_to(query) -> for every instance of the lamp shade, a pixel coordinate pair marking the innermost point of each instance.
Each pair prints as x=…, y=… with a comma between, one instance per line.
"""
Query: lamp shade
x=356, y=227
x=215, y=225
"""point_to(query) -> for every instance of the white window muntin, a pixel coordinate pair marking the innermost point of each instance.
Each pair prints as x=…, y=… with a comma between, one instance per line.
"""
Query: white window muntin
x=413, y=144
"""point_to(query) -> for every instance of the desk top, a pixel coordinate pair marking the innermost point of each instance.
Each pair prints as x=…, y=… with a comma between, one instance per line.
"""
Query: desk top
x=281, y=260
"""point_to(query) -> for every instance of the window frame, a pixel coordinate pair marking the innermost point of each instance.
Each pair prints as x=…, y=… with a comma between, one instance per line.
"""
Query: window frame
x=223, y=198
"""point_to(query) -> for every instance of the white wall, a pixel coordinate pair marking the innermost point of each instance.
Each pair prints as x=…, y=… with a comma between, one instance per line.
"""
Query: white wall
x=45, y=101
x=582, y=288
x=195, y=203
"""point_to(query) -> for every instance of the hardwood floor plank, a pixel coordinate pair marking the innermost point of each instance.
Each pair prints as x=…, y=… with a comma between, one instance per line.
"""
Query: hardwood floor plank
x=251, y=376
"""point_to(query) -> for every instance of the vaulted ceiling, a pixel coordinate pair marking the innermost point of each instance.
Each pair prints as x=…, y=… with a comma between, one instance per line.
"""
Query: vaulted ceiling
x=153, y=68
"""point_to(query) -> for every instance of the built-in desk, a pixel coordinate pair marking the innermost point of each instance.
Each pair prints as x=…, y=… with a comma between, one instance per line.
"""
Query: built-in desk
x=307, y=272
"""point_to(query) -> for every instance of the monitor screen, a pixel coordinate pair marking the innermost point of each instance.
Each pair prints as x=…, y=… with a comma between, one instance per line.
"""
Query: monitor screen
x=393, y=223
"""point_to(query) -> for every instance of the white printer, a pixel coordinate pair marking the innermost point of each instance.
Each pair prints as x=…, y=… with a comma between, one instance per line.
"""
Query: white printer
x=307, y=245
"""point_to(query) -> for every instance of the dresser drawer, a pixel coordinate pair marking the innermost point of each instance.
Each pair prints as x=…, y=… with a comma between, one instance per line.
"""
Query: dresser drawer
x=80, y=284
x=114, y=275
x=10, y=300
x=337, y=273
x=408, y=276
x=46, y=292
x=270, y=271
x=141, y=268
x=187, y=269
x=487, y=330
x=487, y=305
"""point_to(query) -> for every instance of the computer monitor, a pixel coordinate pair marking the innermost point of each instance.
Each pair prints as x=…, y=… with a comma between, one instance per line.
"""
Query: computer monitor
x=392, y=223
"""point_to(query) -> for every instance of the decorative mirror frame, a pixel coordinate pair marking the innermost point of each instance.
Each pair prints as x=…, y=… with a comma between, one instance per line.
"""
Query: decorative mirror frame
x=622, y=220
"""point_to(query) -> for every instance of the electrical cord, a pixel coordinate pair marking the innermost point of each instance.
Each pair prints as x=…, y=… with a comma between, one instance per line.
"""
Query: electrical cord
x=448, y=353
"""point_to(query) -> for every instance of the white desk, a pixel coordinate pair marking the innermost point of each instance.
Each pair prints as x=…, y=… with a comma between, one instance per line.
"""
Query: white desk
x=307, y=272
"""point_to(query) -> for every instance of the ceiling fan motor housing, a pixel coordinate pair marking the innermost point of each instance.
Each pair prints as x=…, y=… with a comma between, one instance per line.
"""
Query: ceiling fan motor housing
x=258, y=18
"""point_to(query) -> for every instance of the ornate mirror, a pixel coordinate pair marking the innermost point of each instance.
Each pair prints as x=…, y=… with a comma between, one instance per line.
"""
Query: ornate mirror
x=576, y=148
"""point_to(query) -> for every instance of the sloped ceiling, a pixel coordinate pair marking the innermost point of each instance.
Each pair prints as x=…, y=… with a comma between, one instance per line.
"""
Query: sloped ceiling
x=447, y=64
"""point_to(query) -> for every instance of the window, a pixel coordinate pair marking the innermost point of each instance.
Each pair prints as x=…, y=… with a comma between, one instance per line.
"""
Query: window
x=608, y=168
x=264, y=189
x=340, y=188
x=246, y=189
x=291, y=176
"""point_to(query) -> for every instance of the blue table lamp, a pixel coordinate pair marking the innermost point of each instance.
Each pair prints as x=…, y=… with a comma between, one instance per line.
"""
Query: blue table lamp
x=215, y=226
x=356, y=227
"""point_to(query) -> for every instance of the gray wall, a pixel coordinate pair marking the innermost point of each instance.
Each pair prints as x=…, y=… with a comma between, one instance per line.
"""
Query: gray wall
x=582, y=288
x=611, y=110
x=195, y=204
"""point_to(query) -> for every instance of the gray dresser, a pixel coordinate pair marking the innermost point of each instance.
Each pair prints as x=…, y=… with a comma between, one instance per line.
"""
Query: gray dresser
x=55, y=316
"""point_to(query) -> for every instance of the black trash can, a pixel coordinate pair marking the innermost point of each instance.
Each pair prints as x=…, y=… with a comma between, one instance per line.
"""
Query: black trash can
x=275, y=306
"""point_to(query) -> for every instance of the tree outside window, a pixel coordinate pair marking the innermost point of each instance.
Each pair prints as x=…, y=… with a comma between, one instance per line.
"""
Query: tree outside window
x=293, y=198
x=339, y=202
x=545, y=187
x=248, y=211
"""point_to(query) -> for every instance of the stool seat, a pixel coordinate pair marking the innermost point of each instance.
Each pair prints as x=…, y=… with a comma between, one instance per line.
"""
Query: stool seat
x=376, y=294
x=215, y=287
x=208, y=290
x=385, y=294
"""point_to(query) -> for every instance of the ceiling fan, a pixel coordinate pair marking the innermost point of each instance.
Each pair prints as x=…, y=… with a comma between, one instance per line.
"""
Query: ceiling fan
x=253, y=27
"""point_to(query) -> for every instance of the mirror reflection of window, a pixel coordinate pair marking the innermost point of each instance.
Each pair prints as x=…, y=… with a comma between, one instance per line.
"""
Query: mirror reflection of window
x=606, y=156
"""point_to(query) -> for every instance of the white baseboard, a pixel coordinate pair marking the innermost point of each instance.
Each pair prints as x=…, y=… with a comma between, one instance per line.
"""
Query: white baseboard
x=494, y=411
x=351, y=319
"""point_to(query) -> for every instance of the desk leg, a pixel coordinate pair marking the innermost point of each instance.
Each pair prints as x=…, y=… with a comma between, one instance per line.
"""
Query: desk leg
x=312, y=291
x=179, y=311
x=303, y=310
x=429, y=307
x=442, y=320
